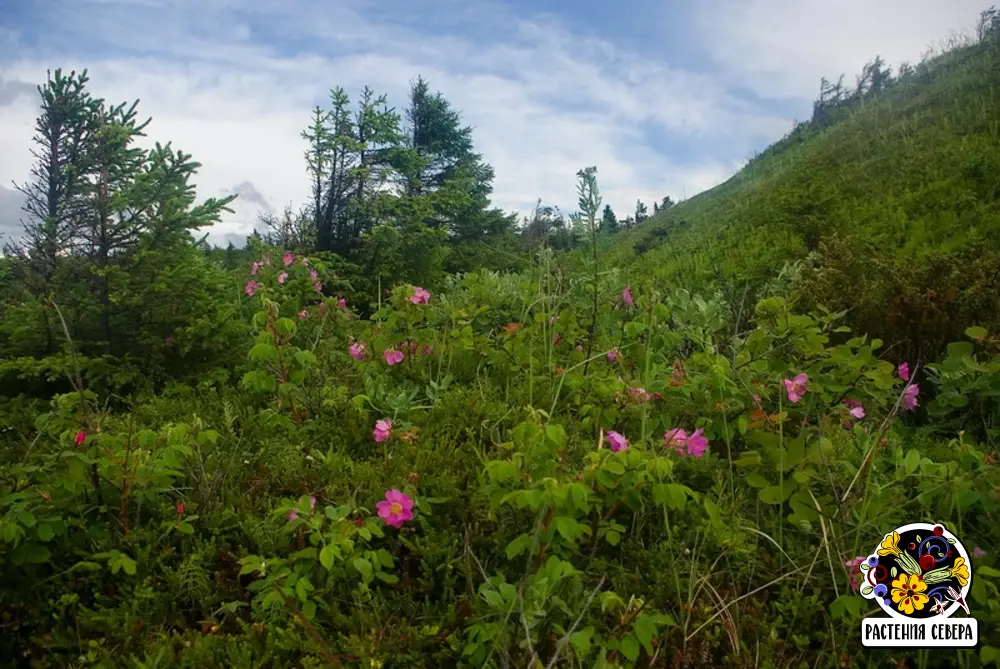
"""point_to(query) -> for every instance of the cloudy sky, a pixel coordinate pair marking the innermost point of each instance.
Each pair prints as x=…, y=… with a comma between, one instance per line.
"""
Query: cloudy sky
x=664, y=96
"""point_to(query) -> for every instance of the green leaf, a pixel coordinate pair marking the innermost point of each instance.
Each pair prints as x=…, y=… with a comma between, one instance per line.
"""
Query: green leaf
x=556, y=433
x=960, y=349
x=846, y=605
x=581, y=640
x=45, y=532
x=976, y=332
x=386, y=577
x=365, y=568
x=494, y=598
x=630, y=648
x=911, y=462
x=775, y=494
x=128, y=564
x=309, y=609
x=518, y=546
x=755, y=480
x=328, y=555
x=988, y=572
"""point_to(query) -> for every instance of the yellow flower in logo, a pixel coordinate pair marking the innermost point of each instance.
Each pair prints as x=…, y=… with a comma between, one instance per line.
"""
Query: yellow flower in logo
x=960, y=571
x=908, y=593
x=889, y=545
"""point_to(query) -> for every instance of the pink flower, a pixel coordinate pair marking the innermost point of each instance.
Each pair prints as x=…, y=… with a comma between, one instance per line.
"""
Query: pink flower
x=579, y=347
x=383, y=428
x=627, y=296
x=617, y=441
x=854, y=570
x=392, y=356
x=358, y=350
x=318, y=286
x=341, y=303
x=910, y=393
x=511, y=328
x=856, y=409
x=676, y=439
x=251, y=288
x=420, y=295
x=756, y=399
x=282, y=277
x=904, y=371
x=796, y=387
x=80, y=437
x=978, y=552
x=254, y=268
x=312, y=501
x=180, y=508
x=267, y=260
x=613, y=355
x=396, y=508
x=697, y=443
x=304, y=314
x=304, y=261
x=639, y=394
x=287, y=259
x=427, y=349
x=312, y=275
x=293, y=514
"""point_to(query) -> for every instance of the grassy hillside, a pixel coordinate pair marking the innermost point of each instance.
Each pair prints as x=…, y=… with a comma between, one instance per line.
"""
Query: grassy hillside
x=893, y=197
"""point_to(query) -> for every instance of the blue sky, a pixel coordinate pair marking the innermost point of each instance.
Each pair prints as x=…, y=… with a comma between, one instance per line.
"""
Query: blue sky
x=667, y=97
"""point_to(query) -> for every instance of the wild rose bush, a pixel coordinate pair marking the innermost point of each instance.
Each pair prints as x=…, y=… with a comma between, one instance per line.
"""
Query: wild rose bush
x=472, y=476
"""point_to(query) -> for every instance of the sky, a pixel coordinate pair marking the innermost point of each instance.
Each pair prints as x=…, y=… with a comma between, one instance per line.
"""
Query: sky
x=667, y=97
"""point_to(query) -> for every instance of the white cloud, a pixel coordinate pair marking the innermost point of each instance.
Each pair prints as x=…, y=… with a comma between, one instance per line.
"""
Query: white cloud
x=781, y=48
x=544, y=102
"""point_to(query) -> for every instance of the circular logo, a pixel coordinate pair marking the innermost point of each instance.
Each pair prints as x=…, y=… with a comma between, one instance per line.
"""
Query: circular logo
x=918, y=571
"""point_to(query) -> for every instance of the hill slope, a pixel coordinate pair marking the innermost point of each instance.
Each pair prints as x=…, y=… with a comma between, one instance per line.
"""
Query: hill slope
x=892, y=204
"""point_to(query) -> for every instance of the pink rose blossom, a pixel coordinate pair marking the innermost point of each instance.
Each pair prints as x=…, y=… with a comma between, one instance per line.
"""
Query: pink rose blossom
x=854, y=571
x=318, y=286
x=293, y=514
x=904, y=371
x=342, y=303
x=254, y=268
x=80, y=437
x=910, y=393
x=613, y=355
x=180, y=508
x=627, y=297
x=427, y=349
x=396, y=508
x=420, y=295
x=796, y=387
x=312, y=501
x=617, y=441
x=639, y=394
x=676, y=439
x=358, y=350
x=251, y=288
x=856, y=409
x=304, y=314
x=383, y=428
x=282, y=277
x=287, y=259
x=392, y=356
x=697, y=443
x=312, y=275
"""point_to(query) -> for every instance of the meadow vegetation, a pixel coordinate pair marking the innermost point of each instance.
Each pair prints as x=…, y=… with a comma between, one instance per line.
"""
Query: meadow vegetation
x=402, y=429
